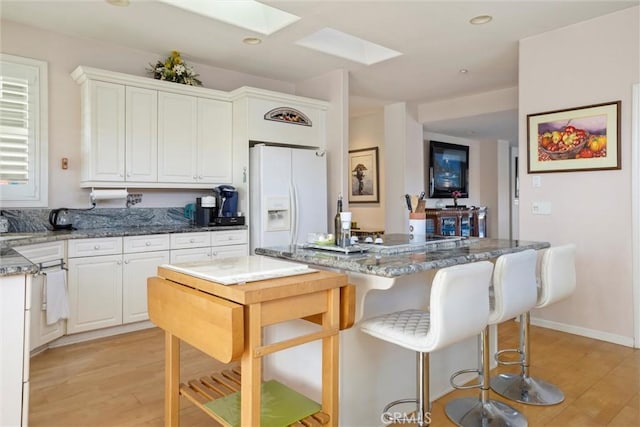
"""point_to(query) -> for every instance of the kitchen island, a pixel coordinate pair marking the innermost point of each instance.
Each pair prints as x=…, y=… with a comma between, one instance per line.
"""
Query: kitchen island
x=386, y=278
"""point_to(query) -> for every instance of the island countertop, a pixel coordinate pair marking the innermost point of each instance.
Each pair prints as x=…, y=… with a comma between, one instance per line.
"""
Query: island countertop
x=390, y=263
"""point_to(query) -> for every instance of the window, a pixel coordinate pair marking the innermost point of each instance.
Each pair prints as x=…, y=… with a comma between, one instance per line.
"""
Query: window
x=23, y=132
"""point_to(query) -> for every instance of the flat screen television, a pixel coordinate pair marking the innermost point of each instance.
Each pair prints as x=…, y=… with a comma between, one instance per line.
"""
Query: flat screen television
x=448, y=169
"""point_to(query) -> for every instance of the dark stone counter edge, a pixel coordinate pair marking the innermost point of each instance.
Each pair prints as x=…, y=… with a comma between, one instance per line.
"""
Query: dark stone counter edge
x=11, y=262
x=350, y=264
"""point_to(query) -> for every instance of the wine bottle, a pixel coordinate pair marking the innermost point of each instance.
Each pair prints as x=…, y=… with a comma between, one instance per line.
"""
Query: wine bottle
x=337, y=223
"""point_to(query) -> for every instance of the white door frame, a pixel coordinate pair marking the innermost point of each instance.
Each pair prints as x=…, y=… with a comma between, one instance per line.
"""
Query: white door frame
x=635, y=209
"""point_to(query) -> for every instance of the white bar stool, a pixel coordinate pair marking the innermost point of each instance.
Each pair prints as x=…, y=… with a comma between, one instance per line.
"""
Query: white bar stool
x=458, y=309
x=514, y=293
x=557, y=282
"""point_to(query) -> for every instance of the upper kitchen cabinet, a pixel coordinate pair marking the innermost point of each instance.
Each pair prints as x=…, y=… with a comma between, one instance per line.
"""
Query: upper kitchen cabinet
x=119, y=133
x=194, y=139
x=279, y=118
x=148, y=133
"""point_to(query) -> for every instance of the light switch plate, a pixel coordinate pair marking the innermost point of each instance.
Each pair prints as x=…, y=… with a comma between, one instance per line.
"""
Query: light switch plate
x=541, y=208
x=536, y=181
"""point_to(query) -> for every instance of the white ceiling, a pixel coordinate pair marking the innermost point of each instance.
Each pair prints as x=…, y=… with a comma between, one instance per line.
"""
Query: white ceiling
x=435, y=38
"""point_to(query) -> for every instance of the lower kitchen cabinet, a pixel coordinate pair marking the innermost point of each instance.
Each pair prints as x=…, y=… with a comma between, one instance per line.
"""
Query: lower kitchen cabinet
x=136, y=269
x=111, y=289
x=50, y=256
x=95, y=292
x=194, y=247
x=14, y=356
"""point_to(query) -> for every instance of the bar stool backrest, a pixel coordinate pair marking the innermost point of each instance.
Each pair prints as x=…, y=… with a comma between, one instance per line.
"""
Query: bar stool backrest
x=459, y=303
x=514, y=285
x=557, y=274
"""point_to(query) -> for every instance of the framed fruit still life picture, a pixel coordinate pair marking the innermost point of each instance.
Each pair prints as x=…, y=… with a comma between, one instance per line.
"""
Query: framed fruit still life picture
x=576, y=139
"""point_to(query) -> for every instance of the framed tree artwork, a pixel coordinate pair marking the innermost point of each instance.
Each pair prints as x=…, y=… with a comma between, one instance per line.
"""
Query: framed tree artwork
x=363, y=171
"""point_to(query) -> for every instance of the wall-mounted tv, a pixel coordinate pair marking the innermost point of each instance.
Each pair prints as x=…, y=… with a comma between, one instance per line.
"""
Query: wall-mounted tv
x=448, y=169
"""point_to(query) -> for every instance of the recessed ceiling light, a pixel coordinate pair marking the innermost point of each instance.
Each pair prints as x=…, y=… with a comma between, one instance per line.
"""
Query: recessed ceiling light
x=463, y=71
x=251, y=40
x=247, y=14
x=118, y=2
x=334, y=42
x=481, y=19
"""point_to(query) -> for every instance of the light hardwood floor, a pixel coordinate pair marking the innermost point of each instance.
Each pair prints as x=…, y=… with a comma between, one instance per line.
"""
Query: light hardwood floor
x=118, y=381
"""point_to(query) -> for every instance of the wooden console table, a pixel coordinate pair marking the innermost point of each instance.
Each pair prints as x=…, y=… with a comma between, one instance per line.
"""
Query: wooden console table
x=226, y=323
x=467, y=222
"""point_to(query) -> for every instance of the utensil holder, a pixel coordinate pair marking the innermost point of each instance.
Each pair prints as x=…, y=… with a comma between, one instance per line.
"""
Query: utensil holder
x=417, y=227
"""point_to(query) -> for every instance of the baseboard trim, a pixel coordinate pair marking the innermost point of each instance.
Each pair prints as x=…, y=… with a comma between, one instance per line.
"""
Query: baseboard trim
x=584, y=332
x=100, y=333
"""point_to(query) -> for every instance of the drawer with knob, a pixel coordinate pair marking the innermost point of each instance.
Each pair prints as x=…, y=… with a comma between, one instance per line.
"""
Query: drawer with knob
x=190, y=240
x=154, y=242
x=94, y=247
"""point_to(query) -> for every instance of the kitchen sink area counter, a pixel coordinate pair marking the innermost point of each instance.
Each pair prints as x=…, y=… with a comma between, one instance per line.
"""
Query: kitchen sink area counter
x=11, y=262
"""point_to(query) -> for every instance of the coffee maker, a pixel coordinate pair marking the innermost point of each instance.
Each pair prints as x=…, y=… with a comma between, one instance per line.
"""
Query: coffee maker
x=206, y=210
x=227, y=197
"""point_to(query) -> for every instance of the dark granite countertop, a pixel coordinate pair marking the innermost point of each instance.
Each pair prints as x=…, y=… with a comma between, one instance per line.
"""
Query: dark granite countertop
x=11, y=262
x=403, y=262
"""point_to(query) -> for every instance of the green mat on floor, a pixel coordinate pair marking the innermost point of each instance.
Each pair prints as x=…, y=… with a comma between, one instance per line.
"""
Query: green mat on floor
x=281, y=406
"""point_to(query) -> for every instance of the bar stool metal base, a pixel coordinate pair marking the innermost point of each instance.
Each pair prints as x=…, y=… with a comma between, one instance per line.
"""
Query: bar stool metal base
x=529, y=390
x=471, y=412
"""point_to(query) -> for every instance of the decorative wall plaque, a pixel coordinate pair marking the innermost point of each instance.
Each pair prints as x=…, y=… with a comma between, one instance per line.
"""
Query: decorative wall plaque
x=288, y=115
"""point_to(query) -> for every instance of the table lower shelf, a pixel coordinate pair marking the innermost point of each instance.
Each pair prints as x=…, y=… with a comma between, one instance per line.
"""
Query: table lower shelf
x=223, y=384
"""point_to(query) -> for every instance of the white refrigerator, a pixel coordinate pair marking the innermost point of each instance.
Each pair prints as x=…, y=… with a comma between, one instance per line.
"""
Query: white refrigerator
x=288, y=195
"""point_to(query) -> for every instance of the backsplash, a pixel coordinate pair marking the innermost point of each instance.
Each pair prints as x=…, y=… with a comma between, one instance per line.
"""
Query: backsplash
x=37, y=220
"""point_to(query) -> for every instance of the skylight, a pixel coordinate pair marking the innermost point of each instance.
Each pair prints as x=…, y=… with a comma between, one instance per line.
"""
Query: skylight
x=248, y=14
x=334, y=42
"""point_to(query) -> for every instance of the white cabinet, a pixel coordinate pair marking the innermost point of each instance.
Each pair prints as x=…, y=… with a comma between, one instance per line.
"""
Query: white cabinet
x=146, y=133
x=108, y=279
x=103, y=132
x=214, y=141
x=193, y=247
x=48, y=254
x=177, y=143
x=141, y=130
x=194, y=139
x=262, y=128
x=119, y=133
x=95, y=284
x=14, y=357
x=142, y=256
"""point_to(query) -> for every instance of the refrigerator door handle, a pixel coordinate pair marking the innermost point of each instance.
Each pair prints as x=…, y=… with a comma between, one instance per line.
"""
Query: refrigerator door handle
x=293, y=194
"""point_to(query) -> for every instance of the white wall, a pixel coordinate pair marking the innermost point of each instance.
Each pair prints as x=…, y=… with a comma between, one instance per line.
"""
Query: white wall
x=403, y=162
x=591, y=209
x=366, y=132
x=63, y=55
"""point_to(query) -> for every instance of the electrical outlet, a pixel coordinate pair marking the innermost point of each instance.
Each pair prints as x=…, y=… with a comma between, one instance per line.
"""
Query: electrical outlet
x=541, y=208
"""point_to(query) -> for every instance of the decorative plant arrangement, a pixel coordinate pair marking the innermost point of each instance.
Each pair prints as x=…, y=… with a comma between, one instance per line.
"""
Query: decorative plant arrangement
x=455, y=195
x=174, y=69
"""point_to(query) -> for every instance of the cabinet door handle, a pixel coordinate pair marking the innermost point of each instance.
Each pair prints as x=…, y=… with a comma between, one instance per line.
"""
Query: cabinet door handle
x=199, y=176
x=195, y=177
x=147, y=243
x=192, y=240
x=119, y=263
x=96, y=247
x=215, y=253
x=126, y=261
